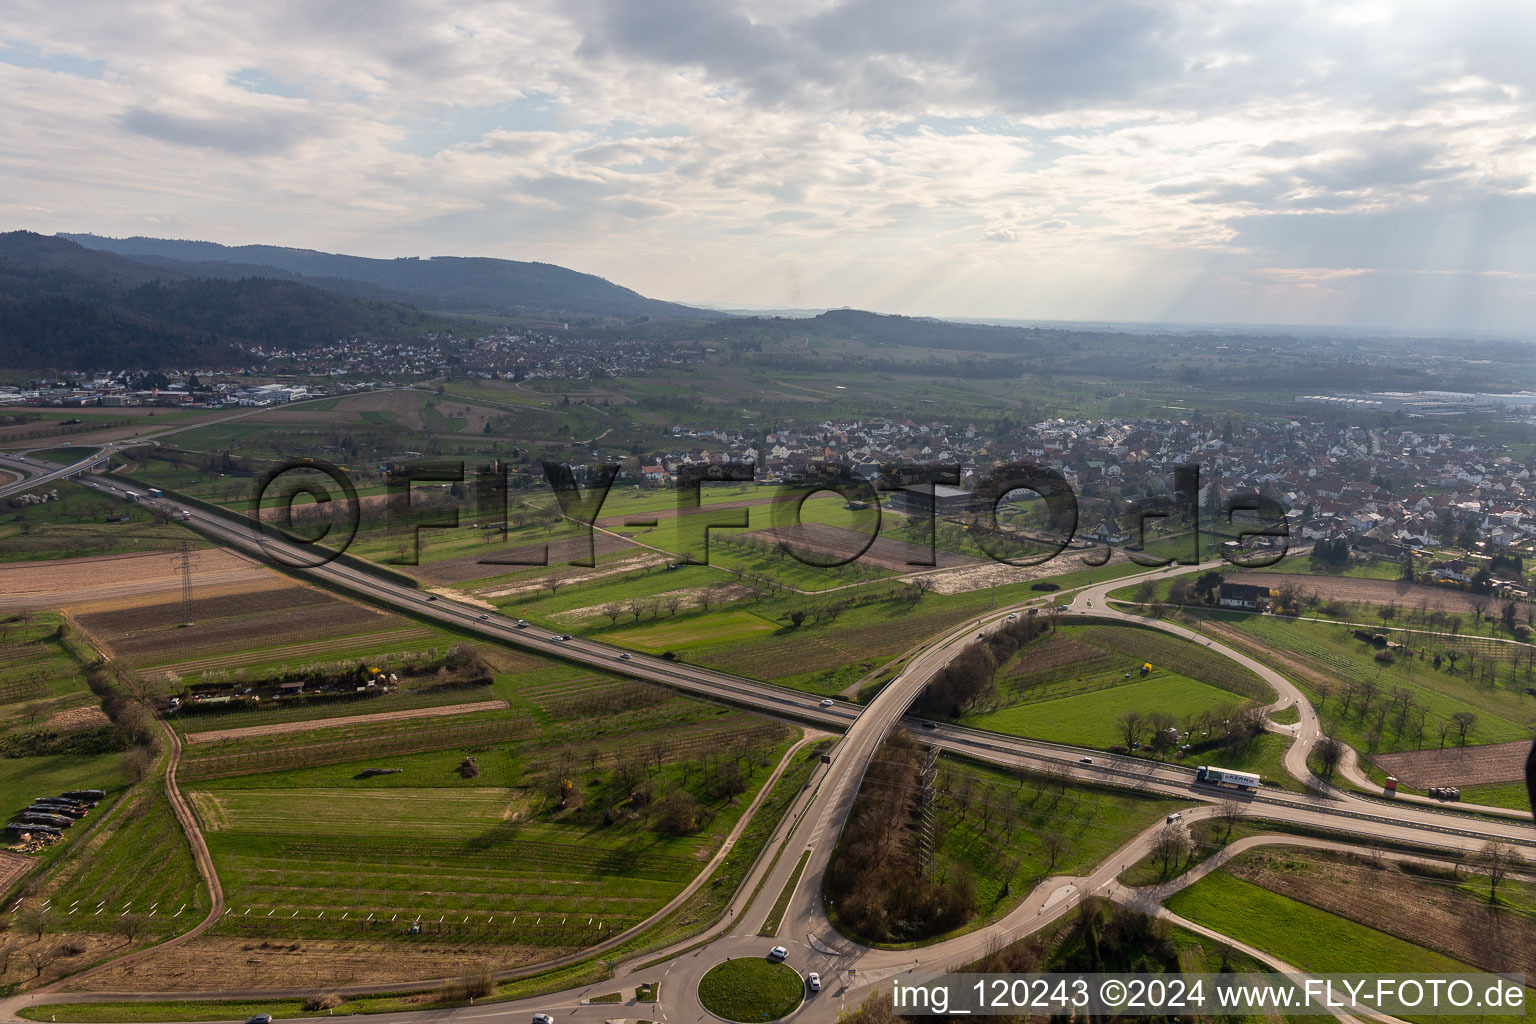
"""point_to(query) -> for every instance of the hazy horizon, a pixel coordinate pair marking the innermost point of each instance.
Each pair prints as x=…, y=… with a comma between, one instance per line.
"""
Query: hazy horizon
x=1361, y=165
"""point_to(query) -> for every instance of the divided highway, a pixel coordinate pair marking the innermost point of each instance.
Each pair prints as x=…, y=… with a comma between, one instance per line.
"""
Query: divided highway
x=816, y=820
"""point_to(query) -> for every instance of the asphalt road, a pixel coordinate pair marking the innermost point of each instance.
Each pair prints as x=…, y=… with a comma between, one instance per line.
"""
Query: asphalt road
x=816, y=820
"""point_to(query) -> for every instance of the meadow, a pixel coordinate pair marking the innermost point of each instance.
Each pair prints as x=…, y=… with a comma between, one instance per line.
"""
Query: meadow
x=1321, y=657
x=1311, y=939
x=1073, y=685
x=74, y=525
x=135, y=862
x=544, y=842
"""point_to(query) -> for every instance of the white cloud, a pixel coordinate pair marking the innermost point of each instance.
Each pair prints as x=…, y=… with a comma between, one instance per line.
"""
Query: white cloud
x=985, y=157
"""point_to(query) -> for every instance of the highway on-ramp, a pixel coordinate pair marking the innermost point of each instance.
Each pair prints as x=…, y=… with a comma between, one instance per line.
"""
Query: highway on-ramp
x=815, y=821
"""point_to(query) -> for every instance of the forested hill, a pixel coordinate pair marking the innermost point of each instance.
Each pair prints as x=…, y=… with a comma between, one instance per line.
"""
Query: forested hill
x=460, y=283
x=65, y=306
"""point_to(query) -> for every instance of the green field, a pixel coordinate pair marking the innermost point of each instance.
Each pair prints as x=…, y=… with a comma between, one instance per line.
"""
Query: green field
x=1303, y=936
x=1088, y=719
x=142, y=867
x=1337, y=657
x=1074, y=684
x=546, y=844
x=40, y=669
x=74, y=525
x=24, y=778
x=751, y=989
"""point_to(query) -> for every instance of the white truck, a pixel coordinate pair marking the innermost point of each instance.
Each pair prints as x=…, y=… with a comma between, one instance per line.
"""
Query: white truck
x=1213, y=776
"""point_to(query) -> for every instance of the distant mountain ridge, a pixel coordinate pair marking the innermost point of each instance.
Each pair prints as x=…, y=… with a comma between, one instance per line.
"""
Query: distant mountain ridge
x=65, y=306
x=468, y=284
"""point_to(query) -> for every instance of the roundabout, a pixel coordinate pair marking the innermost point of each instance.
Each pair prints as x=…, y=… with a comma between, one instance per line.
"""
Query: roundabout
x=751, y=990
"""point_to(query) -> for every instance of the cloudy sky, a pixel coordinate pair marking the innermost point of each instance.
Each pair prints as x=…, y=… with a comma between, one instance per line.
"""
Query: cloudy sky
x=1330, y=162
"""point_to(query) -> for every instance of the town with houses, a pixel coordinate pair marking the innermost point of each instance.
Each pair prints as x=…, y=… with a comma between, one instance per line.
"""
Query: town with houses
x=1384, y=490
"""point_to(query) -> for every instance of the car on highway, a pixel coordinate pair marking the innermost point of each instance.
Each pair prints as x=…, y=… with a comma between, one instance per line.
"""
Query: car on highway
x=778, y=953
x=981, y=636
x=624, y=656
x=556, y=636
x=813, y=981
x=484, y=617
x=543, y=1018
x=930, y=725
x=1085, y=760
x=259, y=1018
x=827, y=702
x=566, y=636
x=431, y=597
x=1013, y=615
x=521, y=624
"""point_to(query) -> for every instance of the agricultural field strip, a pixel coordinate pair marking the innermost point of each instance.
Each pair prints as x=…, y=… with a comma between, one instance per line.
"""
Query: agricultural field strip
x=279, y=655
x=336, y=723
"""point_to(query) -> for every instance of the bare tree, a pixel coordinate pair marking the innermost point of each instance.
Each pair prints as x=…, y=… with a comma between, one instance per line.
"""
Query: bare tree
x=34, y=920
x=1056, y=846
x=1329, y=753
x=1498, y=859
x=1171, y=845
x=1229, y=812
x=131, y=927
x=41, y=957
x=1464, y=721
x=1130, y=728
x=613, y=610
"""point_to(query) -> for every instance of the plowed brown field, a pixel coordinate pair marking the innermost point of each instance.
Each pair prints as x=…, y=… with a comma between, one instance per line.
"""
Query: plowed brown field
x=1362, y=591
x=1458, y=766
x=1414, y=909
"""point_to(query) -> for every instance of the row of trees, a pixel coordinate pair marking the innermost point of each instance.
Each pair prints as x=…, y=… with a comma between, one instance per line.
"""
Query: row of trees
x=968, y=678
x=876, y=883
x=1230, y=727
x=1398, y=709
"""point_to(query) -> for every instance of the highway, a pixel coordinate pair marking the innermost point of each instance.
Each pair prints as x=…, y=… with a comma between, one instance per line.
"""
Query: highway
x=35, y=472
x=815, y=822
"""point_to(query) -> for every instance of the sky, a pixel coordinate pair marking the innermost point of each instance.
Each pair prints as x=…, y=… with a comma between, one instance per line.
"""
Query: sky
x=1267, y=162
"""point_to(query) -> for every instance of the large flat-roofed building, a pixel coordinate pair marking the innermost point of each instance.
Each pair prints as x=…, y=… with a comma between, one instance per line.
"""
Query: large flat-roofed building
x=944, y=501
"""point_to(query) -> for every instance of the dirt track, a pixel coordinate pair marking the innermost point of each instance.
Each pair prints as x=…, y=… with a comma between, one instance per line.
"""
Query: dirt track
x=278, y=728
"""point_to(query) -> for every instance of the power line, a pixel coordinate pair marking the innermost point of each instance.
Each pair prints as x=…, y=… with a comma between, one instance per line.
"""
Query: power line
x=184, y=563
